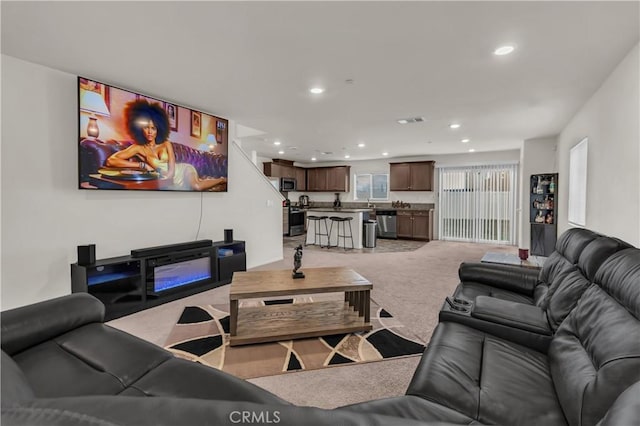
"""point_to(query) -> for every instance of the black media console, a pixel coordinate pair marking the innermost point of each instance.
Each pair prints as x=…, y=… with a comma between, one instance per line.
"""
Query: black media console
x=155, y=275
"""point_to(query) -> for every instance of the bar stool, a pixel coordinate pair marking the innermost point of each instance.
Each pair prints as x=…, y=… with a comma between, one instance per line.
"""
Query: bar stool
x=338, y=221
x=318, y=234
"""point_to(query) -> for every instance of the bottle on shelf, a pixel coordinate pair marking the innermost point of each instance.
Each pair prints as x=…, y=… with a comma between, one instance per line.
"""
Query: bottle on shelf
x=549, y=218
x=552, y=186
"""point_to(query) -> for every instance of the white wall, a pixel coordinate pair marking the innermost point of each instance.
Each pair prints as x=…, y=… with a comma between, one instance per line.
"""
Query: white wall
x=44, y=216
x=611, y=121
x=536, y=156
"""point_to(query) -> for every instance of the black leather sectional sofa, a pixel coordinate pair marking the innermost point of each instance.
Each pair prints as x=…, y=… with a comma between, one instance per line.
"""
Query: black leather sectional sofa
x=514, y=347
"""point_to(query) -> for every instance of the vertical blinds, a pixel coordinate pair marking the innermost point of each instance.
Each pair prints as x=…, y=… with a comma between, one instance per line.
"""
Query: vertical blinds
x=478, y=203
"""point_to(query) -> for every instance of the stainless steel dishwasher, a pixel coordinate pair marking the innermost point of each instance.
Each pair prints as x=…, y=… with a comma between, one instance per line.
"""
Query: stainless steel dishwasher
x=386, y=223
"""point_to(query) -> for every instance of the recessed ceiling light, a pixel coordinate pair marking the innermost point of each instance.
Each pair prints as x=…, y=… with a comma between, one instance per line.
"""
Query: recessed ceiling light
x=313, y=158
x=347, y=156
x=280, y=152
x=454, y=126
x=276, y=143
x=465, y=140
x=360, y=145
x=385, y=153
x=316, y=90
x=472, y=150
x=403, y=121
x=504, y=50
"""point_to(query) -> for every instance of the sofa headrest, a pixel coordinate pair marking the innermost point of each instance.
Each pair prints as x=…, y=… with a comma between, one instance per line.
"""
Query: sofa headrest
x=30, y=325
x=619, y=276
x=596, y=252
x=573, y=241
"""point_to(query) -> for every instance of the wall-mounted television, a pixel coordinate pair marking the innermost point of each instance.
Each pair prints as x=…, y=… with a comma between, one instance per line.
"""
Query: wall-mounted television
x=131, y=141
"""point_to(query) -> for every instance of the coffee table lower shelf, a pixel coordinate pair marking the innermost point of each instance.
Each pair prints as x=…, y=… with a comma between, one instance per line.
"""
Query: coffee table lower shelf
x=273, y=323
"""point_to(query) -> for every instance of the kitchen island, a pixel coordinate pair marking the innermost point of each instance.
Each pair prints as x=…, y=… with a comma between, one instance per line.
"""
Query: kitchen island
x=357, y=215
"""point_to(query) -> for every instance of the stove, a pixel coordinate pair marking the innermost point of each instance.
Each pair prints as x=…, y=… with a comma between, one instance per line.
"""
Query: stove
x=296, y=221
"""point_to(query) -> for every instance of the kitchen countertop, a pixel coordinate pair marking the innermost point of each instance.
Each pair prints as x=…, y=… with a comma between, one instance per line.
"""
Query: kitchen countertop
x=340, y=210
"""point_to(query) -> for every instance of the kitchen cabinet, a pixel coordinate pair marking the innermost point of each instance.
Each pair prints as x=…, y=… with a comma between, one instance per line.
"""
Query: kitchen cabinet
x=338, y=179
x=414, y=224
x=413, y=176
x=301, y=178
x=317, y=179
x=279, y=170
x=328, y=179
x=286, y=169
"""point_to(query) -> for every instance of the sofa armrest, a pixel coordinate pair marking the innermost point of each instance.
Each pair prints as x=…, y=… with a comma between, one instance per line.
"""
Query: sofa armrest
x=33, y=324
x=513, y=278
x=512, y=314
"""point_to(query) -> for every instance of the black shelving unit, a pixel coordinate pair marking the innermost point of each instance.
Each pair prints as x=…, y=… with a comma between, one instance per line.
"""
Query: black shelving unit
x=543, y=195
x=124, y=283
x=231, y=257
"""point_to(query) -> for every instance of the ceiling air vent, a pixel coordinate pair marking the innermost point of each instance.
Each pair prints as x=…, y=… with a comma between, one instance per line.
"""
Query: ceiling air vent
x=411, y=120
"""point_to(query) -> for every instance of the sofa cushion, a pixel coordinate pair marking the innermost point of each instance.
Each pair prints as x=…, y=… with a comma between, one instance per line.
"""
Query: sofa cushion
x=567, y=253
x=570, y=281
x=626, y=409
x=15, y=387
x=30, y=325
x=188, y=379
x=486, y=378
x=412, y=407
x=595, y=354
x=469, y=290
x=94, y=359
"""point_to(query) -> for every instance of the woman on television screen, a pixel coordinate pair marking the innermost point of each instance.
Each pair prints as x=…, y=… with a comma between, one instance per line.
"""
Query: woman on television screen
x=148, y=125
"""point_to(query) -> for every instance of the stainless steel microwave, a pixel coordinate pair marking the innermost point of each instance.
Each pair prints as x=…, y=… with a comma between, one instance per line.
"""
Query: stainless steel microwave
x=287, y=184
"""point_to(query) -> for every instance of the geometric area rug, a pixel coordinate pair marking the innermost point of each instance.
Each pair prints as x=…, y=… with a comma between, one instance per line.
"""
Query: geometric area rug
x=202, y=335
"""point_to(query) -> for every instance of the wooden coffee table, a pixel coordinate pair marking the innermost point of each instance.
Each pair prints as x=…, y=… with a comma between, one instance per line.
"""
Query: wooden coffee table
x=298, y=320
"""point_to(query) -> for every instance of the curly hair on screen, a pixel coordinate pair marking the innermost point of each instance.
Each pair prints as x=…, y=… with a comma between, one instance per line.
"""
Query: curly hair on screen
x=142, y=110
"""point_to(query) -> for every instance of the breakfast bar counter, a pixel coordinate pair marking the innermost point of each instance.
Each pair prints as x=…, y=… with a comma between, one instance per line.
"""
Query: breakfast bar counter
x=357, y=216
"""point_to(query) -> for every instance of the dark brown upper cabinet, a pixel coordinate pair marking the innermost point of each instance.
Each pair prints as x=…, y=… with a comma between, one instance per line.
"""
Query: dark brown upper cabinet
x=414, y=176
x=328, y=179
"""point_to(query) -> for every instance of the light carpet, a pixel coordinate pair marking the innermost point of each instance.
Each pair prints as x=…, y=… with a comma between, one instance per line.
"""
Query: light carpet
x=202, y=335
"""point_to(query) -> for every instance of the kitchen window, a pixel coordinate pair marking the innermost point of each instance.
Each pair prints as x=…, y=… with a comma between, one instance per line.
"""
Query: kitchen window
x=372, y=186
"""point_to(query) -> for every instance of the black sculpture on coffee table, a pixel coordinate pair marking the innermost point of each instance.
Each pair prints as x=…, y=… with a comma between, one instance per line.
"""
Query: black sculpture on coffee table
x=297, y=263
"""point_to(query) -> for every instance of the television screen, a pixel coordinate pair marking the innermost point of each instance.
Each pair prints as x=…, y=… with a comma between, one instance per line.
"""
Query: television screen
x=132, y=141
x=178, y=274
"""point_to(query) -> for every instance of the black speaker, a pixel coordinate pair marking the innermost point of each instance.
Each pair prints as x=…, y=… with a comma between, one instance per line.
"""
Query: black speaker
x=228, y=235
x=87, y=254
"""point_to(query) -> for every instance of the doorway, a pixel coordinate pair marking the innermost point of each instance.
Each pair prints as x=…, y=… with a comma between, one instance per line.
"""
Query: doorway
x=478, y=203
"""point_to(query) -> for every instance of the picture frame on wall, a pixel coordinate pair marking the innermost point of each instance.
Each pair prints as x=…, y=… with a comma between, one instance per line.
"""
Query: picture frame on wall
x=196, y=124
x=148, y=99
x=92, y=86
x=172, y=113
